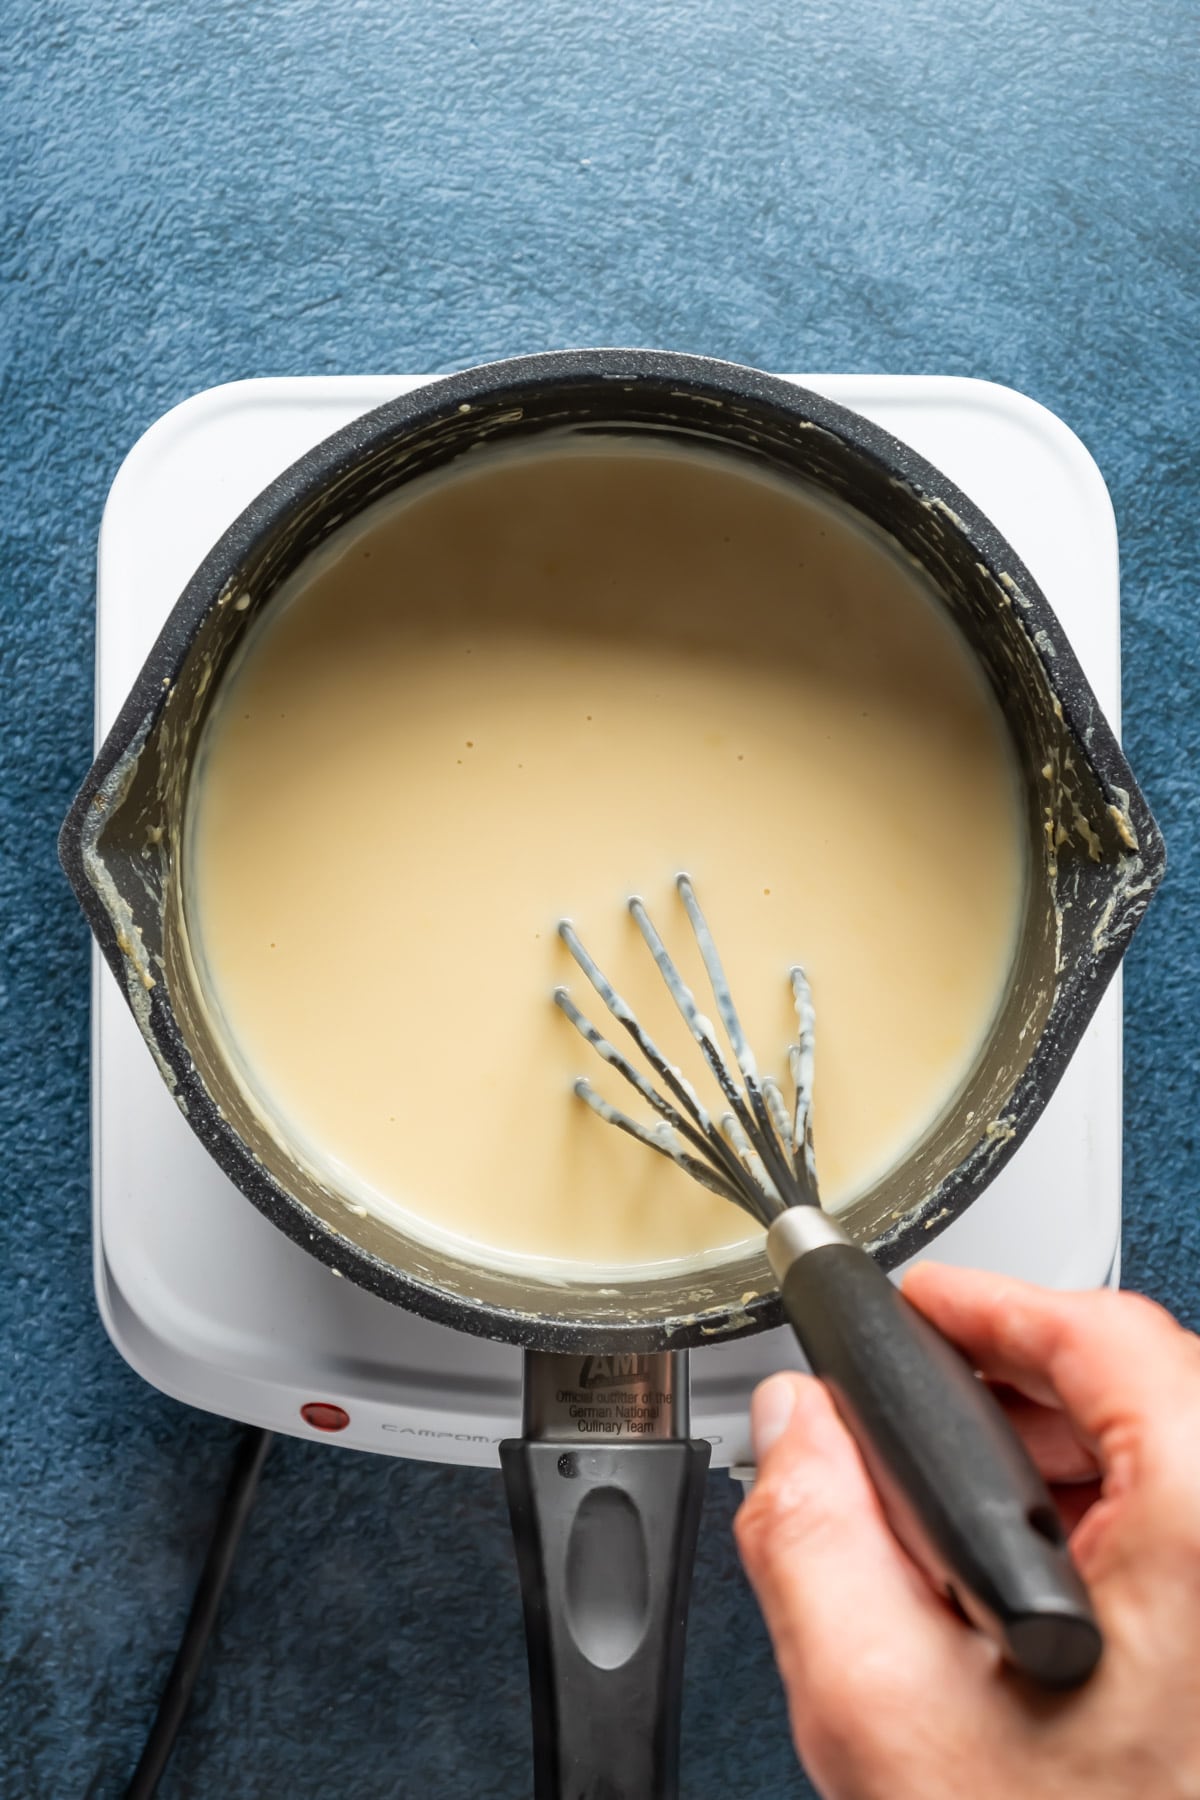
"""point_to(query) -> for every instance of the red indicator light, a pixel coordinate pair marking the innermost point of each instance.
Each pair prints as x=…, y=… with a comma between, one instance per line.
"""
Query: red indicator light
x=323, y=1417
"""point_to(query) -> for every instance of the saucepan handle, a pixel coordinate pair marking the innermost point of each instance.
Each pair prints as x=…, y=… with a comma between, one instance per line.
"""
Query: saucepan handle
x=605, y=1538
x=958, y=1486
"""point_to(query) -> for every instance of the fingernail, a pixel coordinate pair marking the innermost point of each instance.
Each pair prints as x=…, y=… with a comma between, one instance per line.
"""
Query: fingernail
x=770, y=1413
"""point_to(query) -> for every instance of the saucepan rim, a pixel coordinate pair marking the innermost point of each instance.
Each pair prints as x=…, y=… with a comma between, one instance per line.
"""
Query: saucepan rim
x=302, y=484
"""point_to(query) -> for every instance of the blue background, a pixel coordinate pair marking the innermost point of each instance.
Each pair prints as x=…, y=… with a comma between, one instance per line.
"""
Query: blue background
x=195, y=193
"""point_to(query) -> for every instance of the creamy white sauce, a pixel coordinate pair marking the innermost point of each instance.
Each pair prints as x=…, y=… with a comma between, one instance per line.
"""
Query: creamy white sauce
x=527, y=688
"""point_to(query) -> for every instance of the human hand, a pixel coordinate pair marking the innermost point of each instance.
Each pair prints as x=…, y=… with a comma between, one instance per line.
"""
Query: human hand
x=891, y=1696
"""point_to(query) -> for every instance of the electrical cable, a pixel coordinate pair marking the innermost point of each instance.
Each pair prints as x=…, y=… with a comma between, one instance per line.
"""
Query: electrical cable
x=214, y=1578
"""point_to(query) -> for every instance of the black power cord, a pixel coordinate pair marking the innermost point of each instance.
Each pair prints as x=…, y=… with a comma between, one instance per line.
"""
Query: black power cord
x=214, y=1578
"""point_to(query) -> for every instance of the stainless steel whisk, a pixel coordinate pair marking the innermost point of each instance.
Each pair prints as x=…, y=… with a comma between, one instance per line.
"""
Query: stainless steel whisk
x=957, y=1484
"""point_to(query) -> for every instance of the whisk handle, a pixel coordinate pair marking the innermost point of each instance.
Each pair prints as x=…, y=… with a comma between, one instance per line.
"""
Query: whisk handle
x=957, y=1484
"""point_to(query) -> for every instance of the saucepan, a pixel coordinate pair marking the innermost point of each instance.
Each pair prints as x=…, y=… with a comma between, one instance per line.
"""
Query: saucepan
x=606, y=1518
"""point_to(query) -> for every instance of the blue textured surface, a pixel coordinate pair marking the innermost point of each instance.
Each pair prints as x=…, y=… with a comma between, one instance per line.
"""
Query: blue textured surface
x=194, y=193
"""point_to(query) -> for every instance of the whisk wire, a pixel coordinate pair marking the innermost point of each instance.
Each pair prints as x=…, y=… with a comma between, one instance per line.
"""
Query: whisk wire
x=660, y=1139
x=672, y=1078
x=756, y=1155
x=743, y=1055
x=777, y=1142
x=800, y=1063
x=694, y=1133
x=701, y=1029
x=777, y=1107
x=750, y=1160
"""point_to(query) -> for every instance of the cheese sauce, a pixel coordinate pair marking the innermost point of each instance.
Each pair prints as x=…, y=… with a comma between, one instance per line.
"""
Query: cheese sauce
x=525, y=688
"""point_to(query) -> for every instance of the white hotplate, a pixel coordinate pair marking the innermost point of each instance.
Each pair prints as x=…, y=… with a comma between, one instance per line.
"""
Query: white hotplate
x=213, y=1305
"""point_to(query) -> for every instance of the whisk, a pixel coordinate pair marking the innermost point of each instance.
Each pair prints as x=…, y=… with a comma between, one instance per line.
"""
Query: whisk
x=956, y=1483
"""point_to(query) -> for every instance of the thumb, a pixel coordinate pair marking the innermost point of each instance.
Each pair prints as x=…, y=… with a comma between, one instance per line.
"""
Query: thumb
x=845, y=1607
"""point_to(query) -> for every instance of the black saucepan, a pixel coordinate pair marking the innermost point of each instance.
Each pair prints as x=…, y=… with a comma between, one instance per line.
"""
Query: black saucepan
x=605, y=1526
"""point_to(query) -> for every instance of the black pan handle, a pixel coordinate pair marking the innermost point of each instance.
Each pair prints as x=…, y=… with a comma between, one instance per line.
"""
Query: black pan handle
x=957, y=1484
x=605, y=1537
